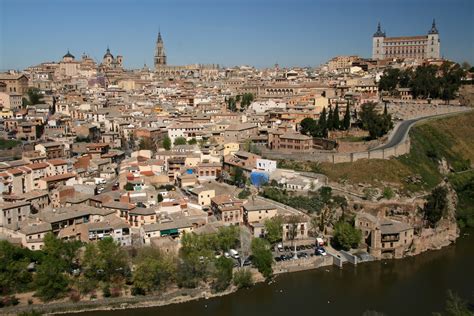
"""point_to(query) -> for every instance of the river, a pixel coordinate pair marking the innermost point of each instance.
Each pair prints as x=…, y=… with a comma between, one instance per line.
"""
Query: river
x=410, y=286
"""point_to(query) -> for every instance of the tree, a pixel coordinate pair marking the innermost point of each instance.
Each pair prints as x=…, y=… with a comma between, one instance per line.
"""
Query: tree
x=231, y=104
x=192, y=141
x=223, y=273
x=456, y=306
x=104, y=260
x=436, y=205
x=128, y=186
x=14, y=275
x=377, y=124
x=262, y=257
x=389, y=80
x=166, y=142
x=325, y=193
x=346, y=236
x=346, y=123
x=274, y=229
x=239, y=176
x=228, y=237
x=34, y=97
x=50, y=281
x=308, y=126
x=243, y=278
x=322, y=123
x=146, y=143
x=330, y=119
x=62, y=252
x=153, y=269
x=180, y=141
x=336, y=123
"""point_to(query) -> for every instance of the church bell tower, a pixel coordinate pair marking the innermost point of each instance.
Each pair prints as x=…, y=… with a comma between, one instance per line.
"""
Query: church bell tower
x=160, y=56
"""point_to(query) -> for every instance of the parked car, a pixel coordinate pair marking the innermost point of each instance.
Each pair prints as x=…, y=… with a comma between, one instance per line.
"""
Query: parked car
x=280, y=247
x=321, y=251
x=226, y=254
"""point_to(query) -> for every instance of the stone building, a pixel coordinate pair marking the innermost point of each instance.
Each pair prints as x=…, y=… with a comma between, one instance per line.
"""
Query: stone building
x=385, y=238
x=163, y=70
x=413, y=47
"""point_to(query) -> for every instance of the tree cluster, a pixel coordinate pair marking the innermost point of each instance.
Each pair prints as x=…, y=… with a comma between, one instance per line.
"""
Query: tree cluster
x=239, y=102
x=327, y=122
x=427, y=81
x=377, y=124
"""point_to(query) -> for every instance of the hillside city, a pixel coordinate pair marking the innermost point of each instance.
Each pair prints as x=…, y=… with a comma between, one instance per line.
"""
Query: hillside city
x=119, y=183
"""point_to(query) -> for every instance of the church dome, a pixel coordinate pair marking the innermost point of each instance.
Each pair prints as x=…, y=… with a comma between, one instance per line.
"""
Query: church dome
x=68, y=54
x=108, y=54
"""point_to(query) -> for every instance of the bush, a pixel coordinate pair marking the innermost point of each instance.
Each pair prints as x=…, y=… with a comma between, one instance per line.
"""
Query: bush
x=243, y=278
x=106, y=291
x=244, y=194
x=137, y=291
x=388, y=193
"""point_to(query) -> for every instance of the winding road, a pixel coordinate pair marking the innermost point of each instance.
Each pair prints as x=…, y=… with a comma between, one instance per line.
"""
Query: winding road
x=403, y=128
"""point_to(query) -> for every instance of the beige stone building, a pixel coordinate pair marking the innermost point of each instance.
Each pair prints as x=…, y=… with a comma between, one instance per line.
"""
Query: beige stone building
x=385, y=238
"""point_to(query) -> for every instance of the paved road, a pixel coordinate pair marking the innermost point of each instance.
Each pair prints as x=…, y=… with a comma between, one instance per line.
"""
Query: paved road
x=405, y=126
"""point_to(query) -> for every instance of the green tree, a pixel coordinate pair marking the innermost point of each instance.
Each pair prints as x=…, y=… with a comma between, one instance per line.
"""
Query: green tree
x=14, y=275
x=308, y=126
x=262, y=257
x=153, y=269
x=436, y=205
x=323, y=123
x=192, y=141
x=389, y=80
x=377, y=124
x=243, y=278
x=166, y=142
x=346, y=236
x=274, y=229
x=180, y=141
x=346, y=123
x=34, y=97
x=336, y=122
x=239, y=177
x=330, y=119
x=146, y=143
x=50, y=281
x=104, y=260
x=223, y=273
x=228, y=237
x=128, y=186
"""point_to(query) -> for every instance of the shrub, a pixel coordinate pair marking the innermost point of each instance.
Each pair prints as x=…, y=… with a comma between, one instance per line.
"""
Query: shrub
x=106, y=291
x=137, y=291
x=243, y=278
x=75, y=296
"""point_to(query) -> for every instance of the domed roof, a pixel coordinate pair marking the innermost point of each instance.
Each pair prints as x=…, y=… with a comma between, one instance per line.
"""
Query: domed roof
x=68, y=54
x=108, y=54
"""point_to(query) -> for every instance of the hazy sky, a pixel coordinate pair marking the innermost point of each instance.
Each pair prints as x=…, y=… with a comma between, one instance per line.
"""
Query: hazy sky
x=226, y=32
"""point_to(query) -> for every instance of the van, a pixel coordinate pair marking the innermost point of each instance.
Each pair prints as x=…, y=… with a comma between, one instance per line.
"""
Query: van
x=234, y=254
x=319, y=242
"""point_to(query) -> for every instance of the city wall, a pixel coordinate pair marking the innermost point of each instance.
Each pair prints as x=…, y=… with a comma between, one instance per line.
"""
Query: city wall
x=395, y=151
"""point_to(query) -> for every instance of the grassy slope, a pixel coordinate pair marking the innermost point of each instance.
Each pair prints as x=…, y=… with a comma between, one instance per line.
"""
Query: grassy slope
x=451, y=138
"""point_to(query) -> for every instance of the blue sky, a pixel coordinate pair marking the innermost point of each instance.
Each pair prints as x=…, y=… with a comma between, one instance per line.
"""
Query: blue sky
x=225, y=32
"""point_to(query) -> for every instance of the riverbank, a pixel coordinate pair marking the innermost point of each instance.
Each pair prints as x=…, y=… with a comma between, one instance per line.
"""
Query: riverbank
x=420, y=282
x=120, y=303
x=179, y=296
